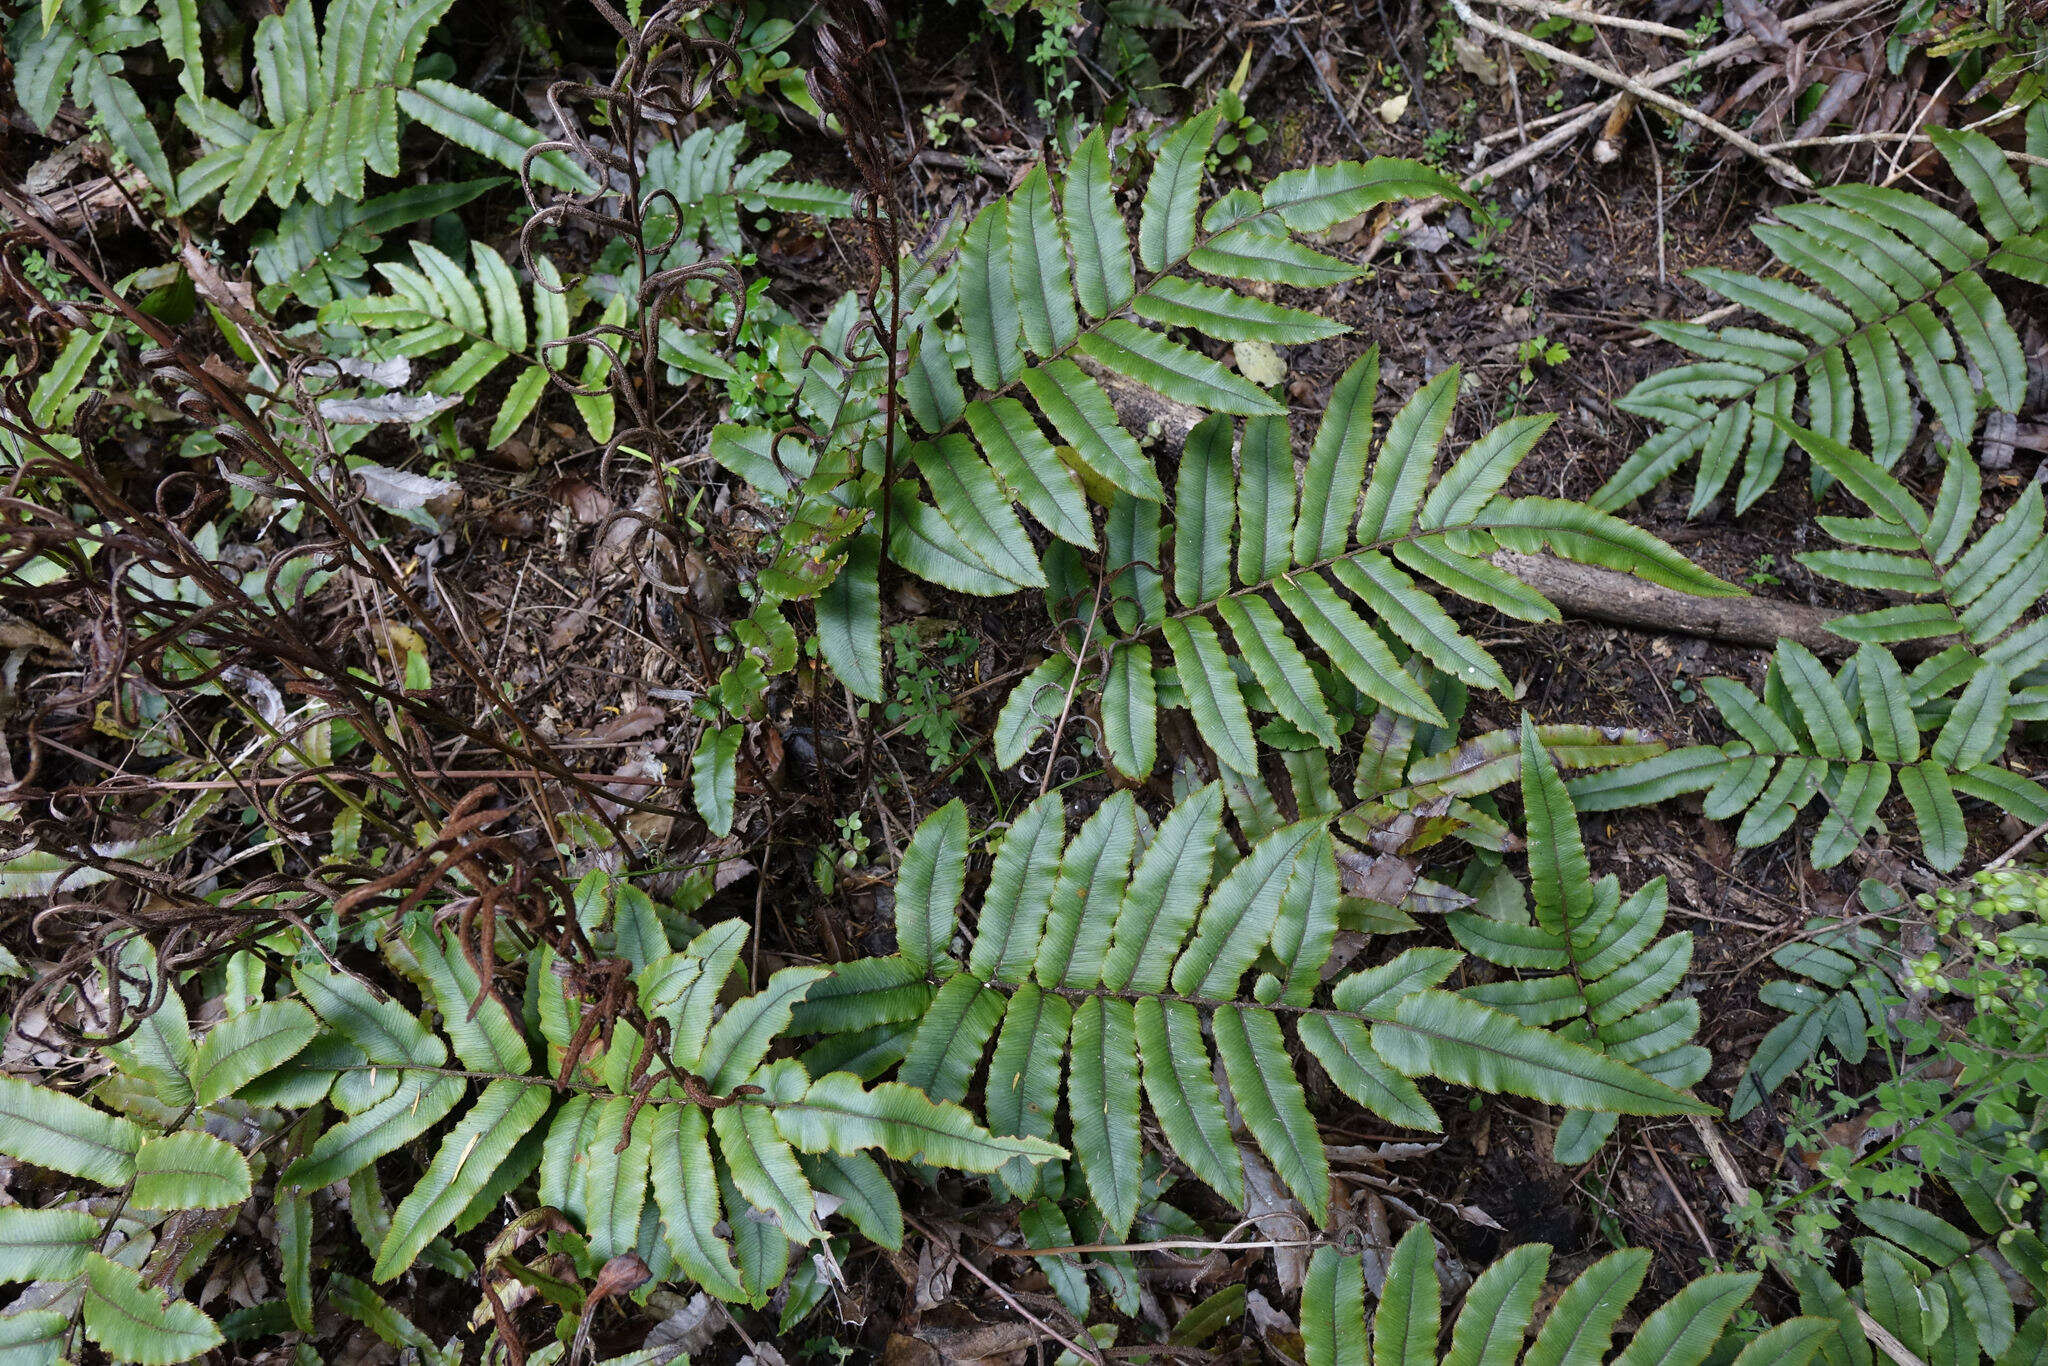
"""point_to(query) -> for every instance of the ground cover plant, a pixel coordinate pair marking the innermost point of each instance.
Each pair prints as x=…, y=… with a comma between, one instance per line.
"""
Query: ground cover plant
x=1022, y=682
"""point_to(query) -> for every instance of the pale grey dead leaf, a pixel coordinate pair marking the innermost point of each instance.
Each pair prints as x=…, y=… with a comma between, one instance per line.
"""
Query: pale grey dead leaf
x=1429, y=897
x=407, y=408
x=401, y=490
x=689, y=1326
x=1265, y=1316
x=1759, y=22
x=1381, y=1152
x=1386, y=878
x=1431, y=237
x=385, y=374
x=1279, y=1217
x=259, y=692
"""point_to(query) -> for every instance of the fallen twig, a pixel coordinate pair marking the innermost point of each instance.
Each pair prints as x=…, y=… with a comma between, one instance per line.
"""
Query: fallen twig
x=1084, y=1353
x=2019, y=846
x=1712, y=315
x=1547, y=121
x=1582, y=590
x=1648, y=94
x=1691, y=1215
x=1857, y=139
x=1588, y=114
x=1323, y=82
x=1739, y=1193
x=1583, y=15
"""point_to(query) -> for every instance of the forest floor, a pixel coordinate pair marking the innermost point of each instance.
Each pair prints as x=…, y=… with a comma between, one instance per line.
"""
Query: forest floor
x=1539, y=297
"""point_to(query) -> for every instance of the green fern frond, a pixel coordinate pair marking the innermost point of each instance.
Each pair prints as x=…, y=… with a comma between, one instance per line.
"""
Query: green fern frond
x=1854, y=737
x=1916, y=1265
x=700, y=186
x=317, y=252
x=1898, y=288
x=1845, y=988
x=76, y=48
x=1114, y=964
x=1606, y=973
x=1045, y=296
x=1493, y=1324
x=436, y=306
x=332, y=93
x=1015, y=288
x=1850, y=738
x=1976, y=592
x=729, y=1140
x=1938, y=1290
x=1376, y=520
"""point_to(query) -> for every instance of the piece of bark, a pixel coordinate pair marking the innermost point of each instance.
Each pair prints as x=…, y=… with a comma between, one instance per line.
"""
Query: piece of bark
x=1582, y=590
x=1149, y=415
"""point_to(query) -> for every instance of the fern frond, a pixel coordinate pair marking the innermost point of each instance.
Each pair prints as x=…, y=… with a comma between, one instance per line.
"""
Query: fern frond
x=1849, y=738
x=77, y=48
x=1113, y=967
x=1898, y=288
x=1375, y=527
x=1855, y=737
x=1493, y=1323
x=1843, y=995
x=332, y=90
x=1932, y=1285
x=731, y=1149
x=1044, y=284
x=1608, y=971
x=317, y=252
x=435, y=306
x=1974, y=591
x=695, y=190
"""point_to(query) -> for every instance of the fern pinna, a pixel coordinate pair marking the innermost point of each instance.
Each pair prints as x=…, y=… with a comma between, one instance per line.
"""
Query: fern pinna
x=1492, y=1326
x=1115, y=963
x=1899, y=285
x=1377, y=525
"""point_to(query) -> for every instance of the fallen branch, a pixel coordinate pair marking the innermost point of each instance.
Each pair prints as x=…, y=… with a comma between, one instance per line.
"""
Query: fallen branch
x=1578, y=590
x=1581, y=590
x=1909, y=138
x=1583, y=14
